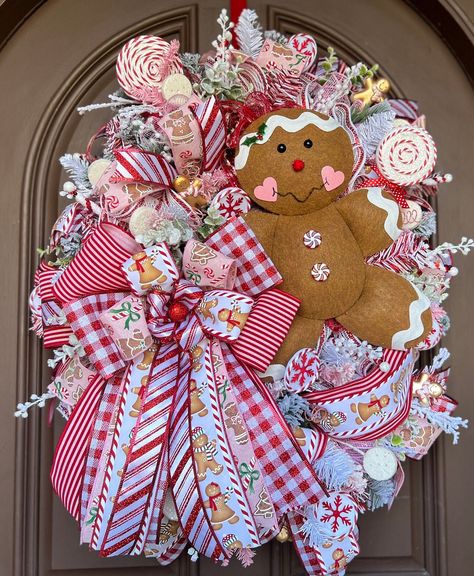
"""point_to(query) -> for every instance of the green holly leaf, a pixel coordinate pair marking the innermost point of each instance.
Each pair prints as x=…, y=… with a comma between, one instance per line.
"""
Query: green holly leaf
x=249, y=140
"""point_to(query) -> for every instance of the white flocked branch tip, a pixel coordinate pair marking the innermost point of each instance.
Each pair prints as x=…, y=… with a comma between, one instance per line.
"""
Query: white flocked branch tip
x=35, y=401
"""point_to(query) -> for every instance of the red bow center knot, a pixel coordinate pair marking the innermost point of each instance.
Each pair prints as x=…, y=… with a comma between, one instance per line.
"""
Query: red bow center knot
x=177, y=312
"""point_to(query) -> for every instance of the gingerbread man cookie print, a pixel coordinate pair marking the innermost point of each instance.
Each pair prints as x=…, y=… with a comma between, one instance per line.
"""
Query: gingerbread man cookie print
x=204, y=453
x=148, y=275
x=295, y=164
x=366, y=410
x=220, y=511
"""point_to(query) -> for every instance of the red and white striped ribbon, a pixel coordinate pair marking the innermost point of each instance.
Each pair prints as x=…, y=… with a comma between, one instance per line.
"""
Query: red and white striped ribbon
x=131, y=511
x=213, y=129
x=97, y=267
x=67, y=470
x=393, y=387
x=261, y=339
x=134, y=165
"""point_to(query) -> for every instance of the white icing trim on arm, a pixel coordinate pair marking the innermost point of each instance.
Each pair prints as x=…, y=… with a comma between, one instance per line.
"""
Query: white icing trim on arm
x=289, y=125
x=415, y=329
x=375, y=197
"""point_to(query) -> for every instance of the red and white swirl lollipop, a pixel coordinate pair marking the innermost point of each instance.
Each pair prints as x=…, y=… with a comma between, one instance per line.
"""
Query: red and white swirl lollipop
x=406, y=156
x=144, y=63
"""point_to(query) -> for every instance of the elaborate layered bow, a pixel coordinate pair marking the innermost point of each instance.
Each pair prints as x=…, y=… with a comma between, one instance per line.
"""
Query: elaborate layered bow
x=184, y=389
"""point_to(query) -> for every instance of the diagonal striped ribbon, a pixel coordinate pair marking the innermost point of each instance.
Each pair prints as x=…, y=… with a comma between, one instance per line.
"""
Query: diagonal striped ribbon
x=131, y=511
x=134, y=165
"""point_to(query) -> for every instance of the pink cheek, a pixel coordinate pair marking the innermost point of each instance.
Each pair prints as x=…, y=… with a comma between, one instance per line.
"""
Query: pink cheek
x=332, y=179
x=267, y=192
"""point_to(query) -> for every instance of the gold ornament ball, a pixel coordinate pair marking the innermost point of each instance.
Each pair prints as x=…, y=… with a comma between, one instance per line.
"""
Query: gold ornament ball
x=181, y=183
x=283, y=535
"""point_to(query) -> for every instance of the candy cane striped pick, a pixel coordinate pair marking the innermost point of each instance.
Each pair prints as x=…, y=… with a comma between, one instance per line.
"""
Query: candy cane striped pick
x=134, y=165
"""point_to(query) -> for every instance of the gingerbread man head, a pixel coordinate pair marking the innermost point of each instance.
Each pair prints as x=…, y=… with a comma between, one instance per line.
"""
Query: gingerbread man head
x=294, y=161
x=213, y=489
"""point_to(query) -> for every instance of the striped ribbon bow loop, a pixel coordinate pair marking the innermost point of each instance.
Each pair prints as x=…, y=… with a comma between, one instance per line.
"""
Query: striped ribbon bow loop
x=129, y=516
x=370, y=407
x=213, y=132
x=134, y=165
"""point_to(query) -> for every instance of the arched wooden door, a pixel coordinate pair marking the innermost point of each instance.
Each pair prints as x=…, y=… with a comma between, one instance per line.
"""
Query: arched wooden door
x=59, y=54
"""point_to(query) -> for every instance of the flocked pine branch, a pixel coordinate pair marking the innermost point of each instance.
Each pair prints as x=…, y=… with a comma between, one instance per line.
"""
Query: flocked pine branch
x=449, y=424
x=294, y=409
x=427, y=226
x=335, y=467
x=406, y=253
x=380, y=493
x=374, y=128
x=76, y=166
x=249, y=33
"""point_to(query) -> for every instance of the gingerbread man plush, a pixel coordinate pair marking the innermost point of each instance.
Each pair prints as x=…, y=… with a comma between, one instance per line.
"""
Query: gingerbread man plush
x=295, y=164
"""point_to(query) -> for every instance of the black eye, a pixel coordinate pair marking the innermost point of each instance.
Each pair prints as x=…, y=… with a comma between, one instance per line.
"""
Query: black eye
x=281, y=148
x=308, y=143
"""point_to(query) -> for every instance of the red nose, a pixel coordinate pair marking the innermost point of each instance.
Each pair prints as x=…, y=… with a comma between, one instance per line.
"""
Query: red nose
x=298, y=165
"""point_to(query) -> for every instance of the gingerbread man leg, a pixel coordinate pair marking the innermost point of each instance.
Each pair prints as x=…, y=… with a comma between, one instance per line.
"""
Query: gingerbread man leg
x=304, y=333
x=390, y=312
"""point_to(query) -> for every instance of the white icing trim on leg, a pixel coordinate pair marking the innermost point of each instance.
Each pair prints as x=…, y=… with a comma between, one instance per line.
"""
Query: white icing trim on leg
x=374, y=196
x=287, y=124
x=415, y=328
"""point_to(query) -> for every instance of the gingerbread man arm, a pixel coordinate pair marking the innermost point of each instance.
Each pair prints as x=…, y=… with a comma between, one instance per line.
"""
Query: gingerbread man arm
x=373, y=217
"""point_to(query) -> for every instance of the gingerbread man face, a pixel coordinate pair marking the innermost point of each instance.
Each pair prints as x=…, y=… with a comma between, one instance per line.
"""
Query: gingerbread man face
x=294, y=161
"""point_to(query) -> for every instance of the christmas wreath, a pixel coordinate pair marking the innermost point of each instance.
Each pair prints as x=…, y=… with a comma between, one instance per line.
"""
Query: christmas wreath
x=236, y=297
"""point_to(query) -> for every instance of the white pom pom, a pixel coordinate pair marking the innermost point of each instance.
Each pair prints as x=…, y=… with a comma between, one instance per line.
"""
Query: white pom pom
x=69, y=187
x=384, y=366
x=453, y=271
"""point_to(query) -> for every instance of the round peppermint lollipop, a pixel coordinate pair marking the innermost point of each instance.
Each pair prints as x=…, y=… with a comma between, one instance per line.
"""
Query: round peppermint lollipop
x=406, y=156
x=143, y=64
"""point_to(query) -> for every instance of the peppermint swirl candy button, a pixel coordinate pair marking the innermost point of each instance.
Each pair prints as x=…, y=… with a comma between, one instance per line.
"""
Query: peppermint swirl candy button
x=143, y=64
x=406, y=156
x=312, y=239
x=320, y=272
